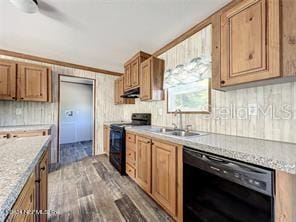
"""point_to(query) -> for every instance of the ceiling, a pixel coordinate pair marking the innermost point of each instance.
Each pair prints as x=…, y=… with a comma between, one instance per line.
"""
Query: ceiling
x=99, y=33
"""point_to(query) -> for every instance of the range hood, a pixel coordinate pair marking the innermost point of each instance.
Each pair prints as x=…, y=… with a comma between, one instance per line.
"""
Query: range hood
x=133, y=93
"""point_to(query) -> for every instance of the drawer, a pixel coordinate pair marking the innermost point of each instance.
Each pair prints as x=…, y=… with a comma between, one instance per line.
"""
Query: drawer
x=27, y=133
x=131, y=157
x=131, y=171
x=131, y=138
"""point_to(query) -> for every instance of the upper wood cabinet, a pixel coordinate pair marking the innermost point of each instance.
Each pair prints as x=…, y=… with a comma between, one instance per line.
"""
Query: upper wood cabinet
x=253, y=44
x=33, y=83
x=143, y=163
x=151, y=72
x=132, y=75
x=164, y=175
x=25, y=82
x=7, y=80
x=250, y=42
x=118, y=92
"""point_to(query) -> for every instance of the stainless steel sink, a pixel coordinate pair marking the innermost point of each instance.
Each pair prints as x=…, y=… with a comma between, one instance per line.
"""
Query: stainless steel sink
x=160, y=130
x=183, y=133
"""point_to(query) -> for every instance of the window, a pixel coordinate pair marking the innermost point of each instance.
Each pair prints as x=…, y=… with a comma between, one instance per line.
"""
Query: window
x=190, y=97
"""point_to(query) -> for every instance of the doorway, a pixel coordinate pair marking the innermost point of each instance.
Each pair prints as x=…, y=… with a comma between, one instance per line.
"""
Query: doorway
x=76, y=119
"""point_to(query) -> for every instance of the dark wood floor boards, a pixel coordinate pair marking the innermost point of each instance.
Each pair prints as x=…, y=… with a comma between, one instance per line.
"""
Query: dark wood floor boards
x=92, y=190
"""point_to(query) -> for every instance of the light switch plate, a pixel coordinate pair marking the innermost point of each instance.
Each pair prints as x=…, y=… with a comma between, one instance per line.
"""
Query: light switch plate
x=18, y=111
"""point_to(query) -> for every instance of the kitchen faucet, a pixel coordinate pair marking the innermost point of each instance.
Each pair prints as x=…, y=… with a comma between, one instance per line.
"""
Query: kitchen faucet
x=180, y=114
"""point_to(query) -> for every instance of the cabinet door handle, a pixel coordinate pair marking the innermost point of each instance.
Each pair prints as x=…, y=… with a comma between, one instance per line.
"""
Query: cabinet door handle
x=42, y=168
x=37, y=181
x=222, y=82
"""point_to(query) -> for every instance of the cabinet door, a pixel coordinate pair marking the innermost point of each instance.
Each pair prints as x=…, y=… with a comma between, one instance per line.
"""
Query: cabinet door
x=127, y=78
x=164, y=175
x=116, y=91
x=106, y=139
x=43, y=189
x=135, y=73
x=33, y=83
x=250, y=42
x=146, y=80
x=7, y=80
x=143, y=160
x=120, y=91
x=25, y=201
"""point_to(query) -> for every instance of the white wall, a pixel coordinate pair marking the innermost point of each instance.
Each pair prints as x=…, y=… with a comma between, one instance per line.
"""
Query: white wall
x=79, y=99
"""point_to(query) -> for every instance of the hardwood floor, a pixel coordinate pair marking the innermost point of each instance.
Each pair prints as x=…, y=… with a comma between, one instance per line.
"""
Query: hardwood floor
x=72, y=152
x=92, y=190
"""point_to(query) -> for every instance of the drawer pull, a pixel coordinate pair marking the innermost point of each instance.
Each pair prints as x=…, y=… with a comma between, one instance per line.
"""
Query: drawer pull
x=42, y=168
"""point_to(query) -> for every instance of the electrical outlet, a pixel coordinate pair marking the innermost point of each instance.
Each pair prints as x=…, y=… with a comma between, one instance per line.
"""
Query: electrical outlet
x=18, y=111
x=252, y=109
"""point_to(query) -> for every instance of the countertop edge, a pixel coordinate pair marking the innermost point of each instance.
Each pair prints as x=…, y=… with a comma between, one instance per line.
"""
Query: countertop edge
x=13, y=195
x=236, y=155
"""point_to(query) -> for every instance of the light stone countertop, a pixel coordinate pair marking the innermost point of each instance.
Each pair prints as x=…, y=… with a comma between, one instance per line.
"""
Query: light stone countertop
x=115, y=122
x=25, y=128
x=271, y=154
x=18, y=160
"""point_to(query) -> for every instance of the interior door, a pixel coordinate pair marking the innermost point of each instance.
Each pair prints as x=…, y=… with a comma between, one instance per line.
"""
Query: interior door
x=143, y=160
x=250, y=42
x=135, y=73
x=32, y=83
x=7, y=80
x=164, y=175
x=146, y=80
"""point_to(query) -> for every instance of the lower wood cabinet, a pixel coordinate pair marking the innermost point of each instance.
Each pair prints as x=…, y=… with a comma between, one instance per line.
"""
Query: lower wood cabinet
x=159, y=172
x=106, y=139
x=164, y=175
x=25, y=202
x=42, y=186
x=143, y=166
x=34, y=195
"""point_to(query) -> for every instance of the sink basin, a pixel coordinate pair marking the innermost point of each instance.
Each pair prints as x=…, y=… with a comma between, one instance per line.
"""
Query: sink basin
x=161, y=130
x=183, y=133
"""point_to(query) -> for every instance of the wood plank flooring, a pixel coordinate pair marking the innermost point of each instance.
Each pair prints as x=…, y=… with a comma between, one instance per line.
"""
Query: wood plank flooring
x=72, y=152
x=92, y=190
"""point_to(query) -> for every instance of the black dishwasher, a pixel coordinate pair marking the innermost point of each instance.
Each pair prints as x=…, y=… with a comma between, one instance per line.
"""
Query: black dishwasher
x=217, y=189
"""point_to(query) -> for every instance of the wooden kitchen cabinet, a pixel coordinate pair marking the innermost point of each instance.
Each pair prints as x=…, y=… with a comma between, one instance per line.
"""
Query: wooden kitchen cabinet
x=143, y=163
x=26, y=201
x=164, y=175
x=152, y=71
x=42, y=186
x=132, y=77
x=131, y=155
x=24, y=82
x=34, y=83
x=7, y=80
x=106, y=139
x=118, y=87
x=250, y=42
x=32, y=133
x=253, y=44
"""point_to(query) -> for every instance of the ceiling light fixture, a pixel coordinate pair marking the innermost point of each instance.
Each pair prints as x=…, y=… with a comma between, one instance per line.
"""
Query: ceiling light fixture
x=28, y=6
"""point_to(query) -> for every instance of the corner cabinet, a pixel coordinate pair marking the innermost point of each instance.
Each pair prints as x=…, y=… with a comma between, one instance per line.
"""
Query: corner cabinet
x=118, y=92
x=151, y=72
x=131, y=77
x=24, y=82
x=253, y=44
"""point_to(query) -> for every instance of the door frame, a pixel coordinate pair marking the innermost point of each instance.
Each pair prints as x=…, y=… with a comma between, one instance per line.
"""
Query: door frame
x=94, y=112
